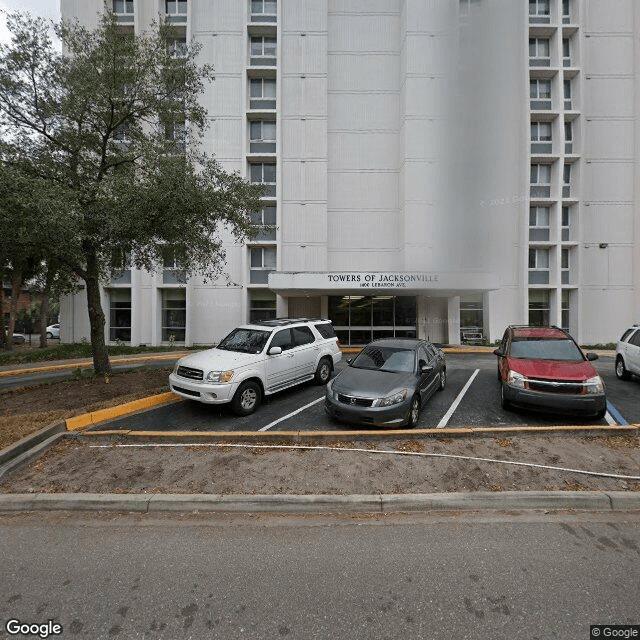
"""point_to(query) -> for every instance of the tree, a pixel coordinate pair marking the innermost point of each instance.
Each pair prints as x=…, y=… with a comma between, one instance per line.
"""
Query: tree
x=100, y=126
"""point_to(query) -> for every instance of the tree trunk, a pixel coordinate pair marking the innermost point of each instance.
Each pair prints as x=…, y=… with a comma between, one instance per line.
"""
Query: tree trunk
x=44, y=308
x=3, y=334
x=101, y=364
x=16, y=285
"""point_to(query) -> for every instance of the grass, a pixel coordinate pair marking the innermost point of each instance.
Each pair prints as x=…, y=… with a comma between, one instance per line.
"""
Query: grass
x=70, y=351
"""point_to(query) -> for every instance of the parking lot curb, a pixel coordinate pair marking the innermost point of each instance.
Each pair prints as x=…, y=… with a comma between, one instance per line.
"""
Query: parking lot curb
x=80, y=422
x=30, y=454
x=633, y=429
x=383, y=504
x=30, y=441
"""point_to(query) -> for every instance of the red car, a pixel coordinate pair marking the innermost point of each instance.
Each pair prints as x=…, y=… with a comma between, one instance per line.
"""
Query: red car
x=543, y=368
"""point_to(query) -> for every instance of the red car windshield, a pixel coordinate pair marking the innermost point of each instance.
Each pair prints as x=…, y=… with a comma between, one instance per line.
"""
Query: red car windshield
x=545, y=349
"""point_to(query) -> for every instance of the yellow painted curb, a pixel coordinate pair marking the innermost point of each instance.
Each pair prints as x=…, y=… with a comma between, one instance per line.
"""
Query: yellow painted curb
x=80, y=422
x=457, y=431
x=88, y=364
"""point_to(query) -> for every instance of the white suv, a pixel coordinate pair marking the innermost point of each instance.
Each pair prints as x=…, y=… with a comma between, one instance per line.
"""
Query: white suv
x=628, y=353
x=257, y=360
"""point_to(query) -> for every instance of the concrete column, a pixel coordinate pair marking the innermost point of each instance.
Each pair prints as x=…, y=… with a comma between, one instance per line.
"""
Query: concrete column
x=453, y=320
x=282, y=306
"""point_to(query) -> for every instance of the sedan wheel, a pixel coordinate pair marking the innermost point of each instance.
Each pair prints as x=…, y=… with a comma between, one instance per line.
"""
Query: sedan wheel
x=49, y=335
x=414, y=412
x=503, y=400
x=443, y=380
x=247, y=399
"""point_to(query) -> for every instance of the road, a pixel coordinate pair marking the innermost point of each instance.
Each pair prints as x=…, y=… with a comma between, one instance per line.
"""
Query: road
x=429, y=576
x=479, y=405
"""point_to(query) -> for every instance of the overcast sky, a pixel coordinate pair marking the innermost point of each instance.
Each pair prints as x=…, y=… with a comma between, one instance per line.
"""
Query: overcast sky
x=44, y=8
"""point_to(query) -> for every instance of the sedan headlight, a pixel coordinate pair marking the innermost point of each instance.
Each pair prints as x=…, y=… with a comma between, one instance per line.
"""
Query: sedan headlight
x=516, y=379
x=396, y=398
x=594, y=385
x=220, y=376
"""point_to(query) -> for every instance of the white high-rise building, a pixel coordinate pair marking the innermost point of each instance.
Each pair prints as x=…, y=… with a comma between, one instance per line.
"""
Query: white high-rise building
x=439, y=168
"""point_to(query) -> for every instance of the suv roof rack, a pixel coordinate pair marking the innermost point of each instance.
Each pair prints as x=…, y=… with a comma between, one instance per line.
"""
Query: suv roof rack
x=281, y=322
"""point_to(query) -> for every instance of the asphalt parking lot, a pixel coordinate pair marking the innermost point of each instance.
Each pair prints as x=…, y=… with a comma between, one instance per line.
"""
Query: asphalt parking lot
x=302, y=407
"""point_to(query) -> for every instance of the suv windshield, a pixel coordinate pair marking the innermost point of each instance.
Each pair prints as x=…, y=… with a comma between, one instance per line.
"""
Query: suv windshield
x=245, y=341
x=545, y=349
x=385, y=359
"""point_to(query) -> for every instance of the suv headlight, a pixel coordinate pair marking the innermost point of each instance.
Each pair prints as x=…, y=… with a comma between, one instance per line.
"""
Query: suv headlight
x=594, y=385
x=220, y=376
x=516, y=379
x=396, y=398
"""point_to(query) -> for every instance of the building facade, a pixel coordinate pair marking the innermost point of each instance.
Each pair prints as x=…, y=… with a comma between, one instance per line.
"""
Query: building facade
x=439, y=168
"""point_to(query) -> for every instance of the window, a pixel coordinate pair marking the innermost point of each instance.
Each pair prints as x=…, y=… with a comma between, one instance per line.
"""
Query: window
x=175, y=131
x=566, y=223
x=567, y=94
x=540, y=180
x=262, y=262
x=177, y=47
x=539, y=308
x=172, y=272
x=263, y=173
x=566, y=11
x=123, y=6
x=120, y=315
x=564, y=266
x=568, y=137
x=264, y=88
x=263, y=7
x=540, y=132
x=302, y=335
x=121, y=133
x=566, y=179
x=539, y=224
x=262, y=305
x=538, y=266
x=540, y=89
x=539, y=11
x=265, y=221
x=121, y=267
x=566, y=307
x=566, y=52
x=263, y=47
x=262, y=131
x=539, y=51
x=174, y=315
x=176, y=7
x=471, y=308
x=282, y=339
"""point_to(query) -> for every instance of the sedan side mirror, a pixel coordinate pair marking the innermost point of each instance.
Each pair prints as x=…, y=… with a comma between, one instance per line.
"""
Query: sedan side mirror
x=349, y=361
x=426, y=369
x=591, y=356
x=275, y=351
x=498, y=352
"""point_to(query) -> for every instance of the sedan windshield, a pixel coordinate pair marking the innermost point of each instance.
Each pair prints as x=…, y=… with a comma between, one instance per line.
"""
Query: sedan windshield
x=545, y=349
x=385, y=359
x=245, y=341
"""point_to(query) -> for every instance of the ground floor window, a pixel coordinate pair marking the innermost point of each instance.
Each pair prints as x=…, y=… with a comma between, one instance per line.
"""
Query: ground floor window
x=471, y=317
x=174, y=315
x=360, y=319
x=539, y=307
x=566, y=308
x=120, y=315
x=262, y=305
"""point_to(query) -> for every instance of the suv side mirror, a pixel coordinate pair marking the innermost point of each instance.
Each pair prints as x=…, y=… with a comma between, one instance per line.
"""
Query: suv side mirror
x=591, y=356
x=275, y=351
x=349, y=361
x=498, y=352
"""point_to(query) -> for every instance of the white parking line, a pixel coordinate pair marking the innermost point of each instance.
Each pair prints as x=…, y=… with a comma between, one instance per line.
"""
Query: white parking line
x=456, y=402
x=293, y=413
x=609, y=418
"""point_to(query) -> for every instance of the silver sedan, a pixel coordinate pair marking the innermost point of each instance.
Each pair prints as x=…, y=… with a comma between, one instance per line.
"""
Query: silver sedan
x=387, y=384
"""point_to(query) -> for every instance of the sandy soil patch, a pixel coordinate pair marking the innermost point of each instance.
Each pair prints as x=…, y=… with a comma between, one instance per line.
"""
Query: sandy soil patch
x=78, y=465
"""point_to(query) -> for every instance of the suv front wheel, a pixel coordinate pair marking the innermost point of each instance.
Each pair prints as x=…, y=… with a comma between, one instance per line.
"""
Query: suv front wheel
x=247, y=398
